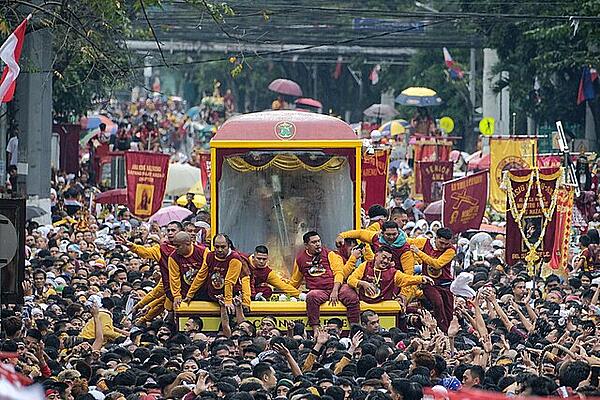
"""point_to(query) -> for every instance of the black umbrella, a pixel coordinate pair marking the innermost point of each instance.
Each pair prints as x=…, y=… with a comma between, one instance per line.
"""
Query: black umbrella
x=34, y=212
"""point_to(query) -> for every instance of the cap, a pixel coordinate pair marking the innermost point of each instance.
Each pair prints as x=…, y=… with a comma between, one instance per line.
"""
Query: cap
x=99, y=263
x=74, y=247
x=497, y=244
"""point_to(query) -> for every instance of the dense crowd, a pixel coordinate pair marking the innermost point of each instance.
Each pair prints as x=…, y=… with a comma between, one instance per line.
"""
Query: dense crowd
x=101, y=288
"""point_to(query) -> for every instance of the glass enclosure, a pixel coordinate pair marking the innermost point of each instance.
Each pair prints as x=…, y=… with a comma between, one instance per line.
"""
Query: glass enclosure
x=274, y=197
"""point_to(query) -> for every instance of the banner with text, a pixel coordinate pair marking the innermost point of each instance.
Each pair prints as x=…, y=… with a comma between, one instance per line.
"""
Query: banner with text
x=533, y=225
x=433, y=175
x=374, y=178
x=464, y=202
x=428, y=149
x=506, y=154
x=146, y=182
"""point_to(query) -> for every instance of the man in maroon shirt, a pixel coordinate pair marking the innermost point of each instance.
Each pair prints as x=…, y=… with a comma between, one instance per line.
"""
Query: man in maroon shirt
x=322, y=271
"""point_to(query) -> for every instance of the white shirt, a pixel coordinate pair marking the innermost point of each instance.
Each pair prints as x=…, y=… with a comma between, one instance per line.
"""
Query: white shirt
x=12, y=147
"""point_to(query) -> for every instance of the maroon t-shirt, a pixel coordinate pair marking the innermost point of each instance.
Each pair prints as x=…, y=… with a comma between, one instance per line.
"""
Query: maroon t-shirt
x=189, y=266
x=383, y=280
x=316, y=270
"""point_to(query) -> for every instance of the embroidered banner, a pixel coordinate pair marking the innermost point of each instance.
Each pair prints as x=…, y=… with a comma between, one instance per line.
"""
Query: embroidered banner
x=146, y=182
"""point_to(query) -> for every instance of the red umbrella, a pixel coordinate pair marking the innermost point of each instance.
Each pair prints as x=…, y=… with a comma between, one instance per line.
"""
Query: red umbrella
x=433, y=212
x=285, y=86
x=115, y=196
x=479, y=161
x=309, y=102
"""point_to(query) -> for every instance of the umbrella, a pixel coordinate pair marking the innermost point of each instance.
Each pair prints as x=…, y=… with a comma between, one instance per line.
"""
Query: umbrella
x=34, y=212
x=380, y=111
x=199, y=200
x=168, y=214
x=115, y=196
x=311, y=103
x=94, y=121
x=395, y=127
x=419, y=96
x=285, y=86
x=181, y=178
x=478, y=161
x=433, y=212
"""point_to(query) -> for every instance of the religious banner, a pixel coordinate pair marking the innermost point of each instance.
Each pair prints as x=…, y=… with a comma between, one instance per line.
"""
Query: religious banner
x=507, y=154
x=531, y=220
x=374, y=178
x=428, y=149
x=433, y=175
x=562, y=231
x=146, y=182
x=464, y=202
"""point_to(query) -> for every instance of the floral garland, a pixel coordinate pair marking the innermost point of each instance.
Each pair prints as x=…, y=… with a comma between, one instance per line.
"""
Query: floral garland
x=532, y=256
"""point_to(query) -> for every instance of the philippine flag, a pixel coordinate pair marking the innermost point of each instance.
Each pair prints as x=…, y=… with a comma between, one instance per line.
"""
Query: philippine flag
x=454, y=69
x=10, y=52
x=587, y=91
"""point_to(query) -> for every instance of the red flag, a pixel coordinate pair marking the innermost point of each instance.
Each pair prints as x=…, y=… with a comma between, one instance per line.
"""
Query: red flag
x=146, y=182
x=10, y=52
x=338, y=68
x=374, y=75
x=464, y=202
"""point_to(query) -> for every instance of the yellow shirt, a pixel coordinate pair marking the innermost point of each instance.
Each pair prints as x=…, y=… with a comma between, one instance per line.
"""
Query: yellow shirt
x=108, y=329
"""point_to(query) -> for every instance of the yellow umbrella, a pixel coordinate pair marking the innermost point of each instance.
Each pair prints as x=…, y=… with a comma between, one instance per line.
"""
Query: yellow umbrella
x=394, y=128
x=199, y=199
x=418, y=91
x=418, y=96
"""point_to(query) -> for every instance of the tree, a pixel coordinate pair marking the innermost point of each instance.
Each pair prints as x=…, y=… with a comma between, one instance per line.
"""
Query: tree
x=544, y=47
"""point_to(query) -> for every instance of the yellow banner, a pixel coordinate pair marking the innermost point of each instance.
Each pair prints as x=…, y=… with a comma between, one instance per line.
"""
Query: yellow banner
x=507, y=154
x=213, y=324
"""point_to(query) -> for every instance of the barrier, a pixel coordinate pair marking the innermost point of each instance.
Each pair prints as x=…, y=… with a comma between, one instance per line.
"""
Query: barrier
x=282, y=312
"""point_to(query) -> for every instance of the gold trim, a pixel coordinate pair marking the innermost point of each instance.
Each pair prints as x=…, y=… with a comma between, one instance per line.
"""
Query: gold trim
x=286, y=162
x=281, y=144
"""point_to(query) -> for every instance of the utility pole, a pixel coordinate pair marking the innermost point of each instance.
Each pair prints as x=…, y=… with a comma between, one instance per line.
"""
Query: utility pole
x=33, y=115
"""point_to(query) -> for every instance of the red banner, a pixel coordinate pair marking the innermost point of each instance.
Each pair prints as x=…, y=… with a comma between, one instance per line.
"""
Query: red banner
x=533, y=226
x=562, y=231
x=464, y=202
x=428, y=149
x=433, y=175
x=146, y=182
x=374, y=178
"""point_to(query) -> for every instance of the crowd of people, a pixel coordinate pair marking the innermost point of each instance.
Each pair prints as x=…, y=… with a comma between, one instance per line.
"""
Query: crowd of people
x=101, y=288
x=101, y=291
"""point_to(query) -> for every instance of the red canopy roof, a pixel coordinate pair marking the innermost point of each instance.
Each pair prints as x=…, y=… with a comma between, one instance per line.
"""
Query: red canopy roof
x=268, y=125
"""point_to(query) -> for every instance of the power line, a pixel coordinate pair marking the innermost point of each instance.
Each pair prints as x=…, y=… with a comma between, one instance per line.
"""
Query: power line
x=295, y=50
